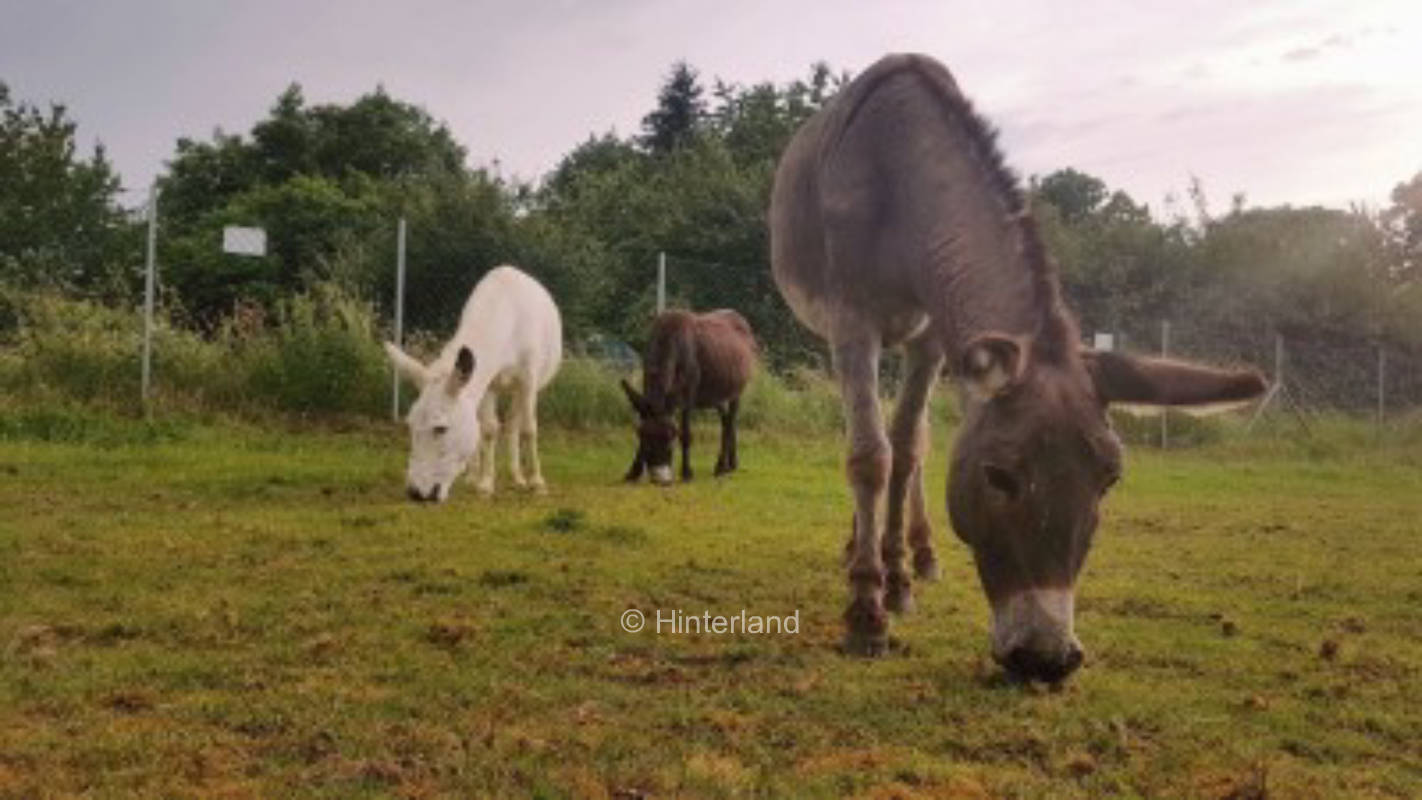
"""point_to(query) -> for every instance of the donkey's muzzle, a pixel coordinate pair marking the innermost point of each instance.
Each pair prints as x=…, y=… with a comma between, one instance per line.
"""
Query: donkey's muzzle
x=1047, y=666
x=414, y=493
x=1032, y=634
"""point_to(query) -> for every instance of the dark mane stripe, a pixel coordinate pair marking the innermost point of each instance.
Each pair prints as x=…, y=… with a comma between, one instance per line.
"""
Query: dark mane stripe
x=1058, y=335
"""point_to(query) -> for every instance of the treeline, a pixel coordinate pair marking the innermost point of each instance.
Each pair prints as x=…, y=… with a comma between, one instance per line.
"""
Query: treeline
x=328, y=182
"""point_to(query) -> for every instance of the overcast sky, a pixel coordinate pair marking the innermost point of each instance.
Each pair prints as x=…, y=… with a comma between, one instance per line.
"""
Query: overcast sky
x=1300, y=102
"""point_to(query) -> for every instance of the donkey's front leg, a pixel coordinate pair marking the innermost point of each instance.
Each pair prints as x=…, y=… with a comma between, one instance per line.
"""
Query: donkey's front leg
x=867, y=466
x=908, y=436
x=634, y=472
x=483, y=476
x=686, y=439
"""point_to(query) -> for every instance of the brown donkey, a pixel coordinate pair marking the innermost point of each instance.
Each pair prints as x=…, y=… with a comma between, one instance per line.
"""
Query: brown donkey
x=894, y=221
x=692, y=361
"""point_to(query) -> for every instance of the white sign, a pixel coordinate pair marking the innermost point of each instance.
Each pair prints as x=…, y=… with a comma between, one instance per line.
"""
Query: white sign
x=244, y=241
x=1103, y=341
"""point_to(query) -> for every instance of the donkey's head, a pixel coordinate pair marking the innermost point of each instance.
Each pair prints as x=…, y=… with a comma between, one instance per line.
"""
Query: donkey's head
x=1032, y=462
x=444, y=424
x=655, y=433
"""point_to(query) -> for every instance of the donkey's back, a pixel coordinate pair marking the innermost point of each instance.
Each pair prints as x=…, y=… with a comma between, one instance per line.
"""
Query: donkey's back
x=510, y=317
x=707, y=357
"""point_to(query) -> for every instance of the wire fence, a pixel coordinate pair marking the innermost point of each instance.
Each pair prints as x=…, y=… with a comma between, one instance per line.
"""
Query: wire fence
x=1313, y=369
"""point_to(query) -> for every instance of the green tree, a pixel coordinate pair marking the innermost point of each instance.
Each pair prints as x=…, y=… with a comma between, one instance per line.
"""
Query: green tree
x=60, y=222
x=612, y=205
x=679, y=112
x=329, y=183
x=1075, y=195
x=1120, y=270
x=1403, y=224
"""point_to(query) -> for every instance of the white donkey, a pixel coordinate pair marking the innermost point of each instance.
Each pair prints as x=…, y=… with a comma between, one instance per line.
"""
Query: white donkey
x=510, y=339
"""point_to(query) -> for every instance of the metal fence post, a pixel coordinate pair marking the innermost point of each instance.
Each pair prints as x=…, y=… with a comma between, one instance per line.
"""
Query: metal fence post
x=399, y=315
x=1276, y=388
x=1164, y=410
x=1279, y=358
x=149, y=279
x=661, y=281
x=1382, y=388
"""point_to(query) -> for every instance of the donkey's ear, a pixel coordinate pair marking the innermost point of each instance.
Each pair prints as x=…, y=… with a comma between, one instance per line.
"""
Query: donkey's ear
x=463, y=370
x=408, y=368
x=1120, y=378
x=991, y=362
x=639, y=403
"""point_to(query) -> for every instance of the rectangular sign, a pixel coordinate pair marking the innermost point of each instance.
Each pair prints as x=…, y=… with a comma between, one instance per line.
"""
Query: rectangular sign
x=1104, y=341
x=244, y=241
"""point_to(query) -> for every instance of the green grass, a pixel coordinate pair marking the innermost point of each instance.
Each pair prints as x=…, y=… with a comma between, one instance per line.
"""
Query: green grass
x=219, y=611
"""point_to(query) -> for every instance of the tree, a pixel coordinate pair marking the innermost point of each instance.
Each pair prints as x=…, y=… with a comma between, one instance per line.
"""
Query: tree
x=679, y=112
x=1119, y=269
x=328, y=182
x=1403, y=225
x=612, y=205
x=1074, y=194
x=60, y=221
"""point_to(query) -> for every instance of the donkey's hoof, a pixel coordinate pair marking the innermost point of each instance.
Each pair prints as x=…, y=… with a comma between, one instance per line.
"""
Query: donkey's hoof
x=484, y=488
x=867, y=627
x=866, y=645
x=925, y=567
x=898, y=598
x=538, y=486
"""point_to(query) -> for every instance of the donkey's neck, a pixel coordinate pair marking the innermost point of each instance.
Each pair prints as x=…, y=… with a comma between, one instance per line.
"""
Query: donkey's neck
x=989, y=274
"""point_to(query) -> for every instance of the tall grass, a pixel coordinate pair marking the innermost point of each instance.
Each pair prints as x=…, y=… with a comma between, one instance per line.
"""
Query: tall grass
x=70, y=368
x=320, y=356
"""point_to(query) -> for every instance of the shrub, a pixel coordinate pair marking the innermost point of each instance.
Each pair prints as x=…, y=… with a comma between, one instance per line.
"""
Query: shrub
x=584, y=395
x=321, y=357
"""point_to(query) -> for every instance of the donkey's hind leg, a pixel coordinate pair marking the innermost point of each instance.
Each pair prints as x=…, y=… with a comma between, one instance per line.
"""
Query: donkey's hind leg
x=733, y=410
x=514, y=426
x=867, y=466
x=527, y=402
x=483, y=475
x=726, y=460
x=908, y=436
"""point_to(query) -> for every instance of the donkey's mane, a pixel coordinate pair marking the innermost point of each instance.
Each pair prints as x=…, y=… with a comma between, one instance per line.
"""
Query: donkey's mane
x=1057, y=336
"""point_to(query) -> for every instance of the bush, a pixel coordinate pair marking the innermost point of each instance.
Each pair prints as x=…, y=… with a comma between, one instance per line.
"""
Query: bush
x=74, y=348
x=802, y=401
x=321, y=357
x=584, y=395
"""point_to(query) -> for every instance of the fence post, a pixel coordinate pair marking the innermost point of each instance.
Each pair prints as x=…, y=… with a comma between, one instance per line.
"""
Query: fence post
x=399, y=315
x=661, y=281
x=1277, y=388
x=1164, y=410
x=1382, y=388
x=149, y=279
x=1279, y=358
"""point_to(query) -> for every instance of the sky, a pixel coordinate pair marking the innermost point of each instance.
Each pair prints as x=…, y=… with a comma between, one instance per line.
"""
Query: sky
x=1303, y=102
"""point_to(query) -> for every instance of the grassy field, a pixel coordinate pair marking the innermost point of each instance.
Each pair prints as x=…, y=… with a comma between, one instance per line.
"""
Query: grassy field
x=219, y=611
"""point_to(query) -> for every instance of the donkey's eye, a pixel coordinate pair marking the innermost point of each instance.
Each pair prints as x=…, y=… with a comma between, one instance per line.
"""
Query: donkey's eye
x=440, y=430
x=1001, y=480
